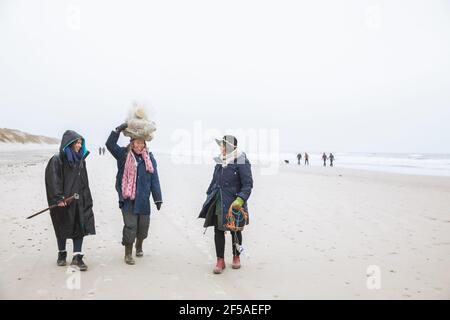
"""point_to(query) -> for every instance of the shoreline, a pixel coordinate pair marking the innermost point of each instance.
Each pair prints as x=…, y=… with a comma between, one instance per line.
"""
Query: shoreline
x=313, y=234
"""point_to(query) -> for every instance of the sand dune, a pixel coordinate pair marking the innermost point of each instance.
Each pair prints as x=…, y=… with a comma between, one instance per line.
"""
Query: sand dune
x=16, y=136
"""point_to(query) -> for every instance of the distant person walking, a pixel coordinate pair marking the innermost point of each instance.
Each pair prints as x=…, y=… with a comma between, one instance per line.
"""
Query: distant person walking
x=331, y=157
x=100, y=151
x=299, y=158
x=324, y=158
x=306, y=159
x=104, y=150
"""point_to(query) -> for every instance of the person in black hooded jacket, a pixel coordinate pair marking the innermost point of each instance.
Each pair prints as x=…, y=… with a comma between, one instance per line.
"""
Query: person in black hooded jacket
x=66, y=175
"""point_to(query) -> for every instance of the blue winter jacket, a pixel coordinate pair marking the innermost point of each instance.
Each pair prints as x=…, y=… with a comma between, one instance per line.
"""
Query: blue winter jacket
x=146, y=182
x=234, y=180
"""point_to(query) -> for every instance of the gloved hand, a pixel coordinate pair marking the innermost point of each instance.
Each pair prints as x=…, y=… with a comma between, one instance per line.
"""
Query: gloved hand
x=122, y=127
x=238, y=203
x=158, y=205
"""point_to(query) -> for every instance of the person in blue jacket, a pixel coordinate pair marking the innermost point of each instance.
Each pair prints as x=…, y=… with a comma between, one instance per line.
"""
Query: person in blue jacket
x=231, y=186
x=136, y=179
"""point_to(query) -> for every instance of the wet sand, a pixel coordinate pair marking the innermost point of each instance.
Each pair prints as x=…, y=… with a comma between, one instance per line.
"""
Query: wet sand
x=314, y=234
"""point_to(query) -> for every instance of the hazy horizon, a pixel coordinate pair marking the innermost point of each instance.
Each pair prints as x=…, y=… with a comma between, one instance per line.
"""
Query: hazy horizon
x=353, y=76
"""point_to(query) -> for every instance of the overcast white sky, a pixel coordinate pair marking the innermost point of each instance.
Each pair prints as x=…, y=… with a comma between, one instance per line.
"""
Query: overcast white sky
x=330, y=75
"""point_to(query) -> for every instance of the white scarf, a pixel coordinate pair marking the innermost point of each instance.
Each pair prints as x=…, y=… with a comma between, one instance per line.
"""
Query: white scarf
x=229, y=158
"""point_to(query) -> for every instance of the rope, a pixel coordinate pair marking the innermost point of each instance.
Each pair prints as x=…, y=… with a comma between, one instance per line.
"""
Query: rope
x=236, y=219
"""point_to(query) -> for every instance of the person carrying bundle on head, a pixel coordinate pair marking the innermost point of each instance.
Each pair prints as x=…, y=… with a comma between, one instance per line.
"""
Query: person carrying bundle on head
x=137, y=178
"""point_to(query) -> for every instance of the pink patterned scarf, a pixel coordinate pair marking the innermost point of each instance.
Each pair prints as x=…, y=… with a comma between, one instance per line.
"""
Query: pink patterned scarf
x=129, y=178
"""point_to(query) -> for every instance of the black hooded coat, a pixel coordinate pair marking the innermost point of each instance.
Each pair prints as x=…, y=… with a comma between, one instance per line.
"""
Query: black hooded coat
x=62, y=180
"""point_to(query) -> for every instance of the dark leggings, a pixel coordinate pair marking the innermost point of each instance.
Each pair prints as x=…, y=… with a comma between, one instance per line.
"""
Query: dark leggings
x=219, y=240
x=77, y=244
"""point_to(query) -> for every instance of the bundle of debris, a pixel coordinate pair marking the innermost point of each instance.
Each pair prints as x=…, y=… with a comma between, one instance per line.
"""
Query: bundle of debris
x=139, y=124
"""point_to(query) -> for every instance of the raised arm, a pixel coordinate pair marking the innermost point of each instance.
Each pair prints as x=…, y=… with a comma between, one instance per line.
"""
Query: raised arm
x=112, y=146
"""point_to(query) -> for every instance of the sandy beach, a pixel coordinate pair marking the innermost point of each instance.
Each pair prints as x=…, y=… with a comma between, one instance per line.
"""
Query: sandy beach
x=314, y=233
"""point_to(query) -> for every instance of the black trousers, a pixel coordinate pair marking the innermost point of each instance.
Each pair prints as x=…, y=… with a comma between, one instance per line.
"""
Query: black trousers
x=219, y=240
x=77, y=244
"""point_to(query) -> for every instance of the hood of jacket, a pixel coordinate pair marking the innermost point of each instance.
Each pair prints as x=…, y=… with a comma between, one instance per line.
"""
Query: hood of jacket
x=70, y=137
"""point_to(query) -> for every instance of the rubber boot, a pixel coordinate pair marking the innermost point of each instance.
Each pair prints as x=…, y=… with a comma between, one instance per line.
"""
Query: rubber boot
x=236, y=262
x=220, y=266
x=62, y=256
x=139, y=252
x=77, y=261
x=129, y=254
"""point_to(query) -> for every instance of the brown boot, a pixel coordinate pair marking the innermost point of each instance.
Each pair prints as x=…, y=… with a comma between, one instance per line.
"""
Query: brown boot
x=129, y=255
x=139, y=252
x=220, y=266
